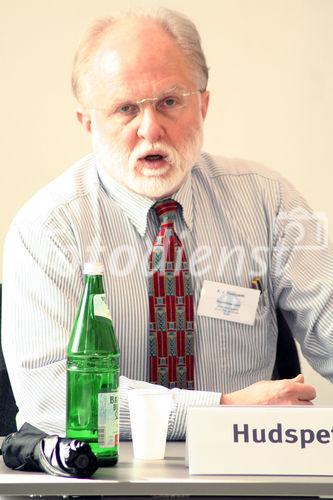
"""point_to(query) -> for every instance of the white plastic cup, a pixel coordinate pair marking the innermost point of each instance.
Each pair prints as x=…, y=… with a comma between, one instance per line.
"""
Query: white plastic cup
x=149, y=413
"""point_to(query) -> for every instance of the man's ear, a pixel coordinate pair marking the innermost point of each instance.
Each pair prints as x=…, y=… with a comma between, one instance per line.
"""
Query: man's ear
x=84, y=119
x=204, y=103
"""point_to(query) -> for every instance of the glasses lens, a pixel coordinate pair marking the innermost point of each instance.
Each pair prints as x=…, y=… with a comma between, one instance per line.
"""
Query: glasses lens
x=171, y=102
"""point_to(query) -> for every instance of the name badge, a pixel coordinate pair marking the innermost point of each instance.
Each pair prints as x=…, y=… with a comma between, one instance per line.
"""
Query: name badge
x=228, y=302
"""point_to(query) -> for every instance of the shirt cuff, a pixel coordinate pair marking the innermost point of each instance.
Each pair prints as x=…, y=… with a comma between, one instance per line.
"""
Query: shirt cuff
x=182, y=400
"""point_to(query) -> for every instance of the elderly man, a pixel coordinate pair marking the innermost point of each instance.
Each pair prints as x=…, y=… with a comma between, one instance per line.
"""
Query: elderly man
x=141, y=85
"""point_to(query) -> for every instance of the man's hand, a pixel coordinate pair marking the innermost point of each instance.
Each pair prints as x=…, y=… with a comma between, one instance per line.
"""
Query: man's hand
x=273, y=392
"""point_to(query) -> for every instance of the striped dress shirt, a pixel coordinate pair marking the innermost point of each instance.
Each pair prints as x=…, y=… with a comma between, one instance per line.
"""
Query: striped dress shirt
x=237, y=221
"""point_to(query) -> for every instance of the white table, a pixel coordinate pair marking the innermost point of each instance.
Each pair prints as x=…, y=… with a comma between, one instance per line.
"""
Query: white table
x=162, y=478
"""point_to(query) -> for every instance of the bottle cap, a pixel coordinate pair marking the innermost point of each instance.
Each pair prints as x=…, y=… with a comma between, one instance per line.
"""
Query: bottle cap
x=93, y=268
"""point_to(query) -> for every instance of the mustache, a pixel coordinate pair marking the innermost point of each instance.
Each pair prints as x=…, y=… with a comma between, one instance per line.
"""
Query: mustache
x=143, y=149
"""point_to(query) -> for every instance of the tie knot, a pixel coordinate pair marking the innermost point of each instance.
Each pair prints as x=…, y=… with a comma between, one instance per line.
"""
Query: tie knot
x=166, y=210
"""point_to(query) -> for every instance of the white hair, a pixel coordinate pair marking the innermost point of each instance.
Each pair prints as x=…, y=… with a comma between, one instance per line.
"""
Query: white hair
x=176, y=24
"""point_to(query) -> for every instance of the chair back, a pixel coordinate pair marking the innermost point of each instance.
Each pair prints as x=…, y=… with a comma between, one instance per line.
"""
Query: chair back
x=287, y=364
x=8, y=408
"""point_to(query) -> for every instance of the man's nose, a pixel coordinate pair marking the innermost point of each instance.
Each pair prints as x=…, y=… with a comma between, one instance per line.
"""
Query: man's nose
x=150, y=127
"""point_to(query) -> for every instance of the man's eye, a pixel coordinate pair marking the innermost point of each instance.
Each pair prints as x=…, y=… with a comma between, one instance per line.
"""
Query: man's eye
x=127, y=109
x=169, y=102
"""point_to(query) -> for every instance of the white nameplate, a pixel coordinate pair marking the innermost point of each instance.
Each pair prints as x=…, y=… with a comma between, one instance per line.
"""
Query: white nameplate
x=277, y=440
x=228, y=302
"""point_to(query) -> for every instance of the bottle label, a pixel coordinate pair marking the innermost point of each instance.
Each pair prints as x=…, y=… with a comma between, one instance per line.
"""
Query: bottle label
x=108, y=419
x=101, y=306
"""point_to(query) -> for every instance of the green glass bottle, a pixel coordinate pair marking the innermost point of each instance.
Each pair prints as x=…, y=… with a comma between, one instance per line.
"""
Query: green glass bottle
x=93, y=373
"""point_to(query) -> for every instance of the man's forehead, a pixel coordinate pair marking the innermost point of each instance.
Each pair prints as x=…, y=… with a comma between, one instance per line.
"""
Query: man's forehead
x=136, y=91
x=136, y=47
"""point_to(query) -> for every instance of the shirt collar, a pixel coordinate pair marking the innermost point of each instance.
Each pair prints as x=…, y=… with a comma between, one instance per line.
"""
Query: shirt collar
x=136, y=207
x=184, y=197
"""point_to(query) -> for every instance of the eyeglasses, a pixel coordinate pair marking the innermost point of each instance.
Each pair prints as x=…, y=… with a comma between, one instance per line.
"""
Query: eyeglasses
x=169, y=103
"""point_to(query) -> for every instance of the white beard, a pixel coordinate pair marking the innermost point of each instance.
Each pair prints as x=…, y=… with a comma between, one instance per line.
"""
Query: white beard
x=124, y=165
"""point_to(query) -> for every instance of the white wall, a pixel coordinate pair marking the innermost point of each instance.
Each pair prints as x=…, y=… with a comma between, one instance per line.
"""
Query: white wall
x=271, y=85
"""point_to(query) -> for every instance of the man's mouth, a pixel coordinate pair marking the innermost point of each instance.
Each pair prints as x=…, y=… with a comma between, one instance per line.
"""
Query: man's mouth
x=154, y=157
x=154, y=163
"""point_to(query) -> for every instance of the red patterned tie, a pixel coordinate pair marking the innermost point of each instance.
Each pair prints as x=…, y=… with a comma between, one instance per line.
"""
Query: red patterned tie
x=171, y=325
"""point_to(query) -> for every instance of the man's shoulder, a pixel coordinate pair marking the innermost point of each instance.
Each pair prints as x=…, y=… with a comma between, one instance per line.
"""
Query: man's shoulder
x=78, y=181
x=215, y=167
